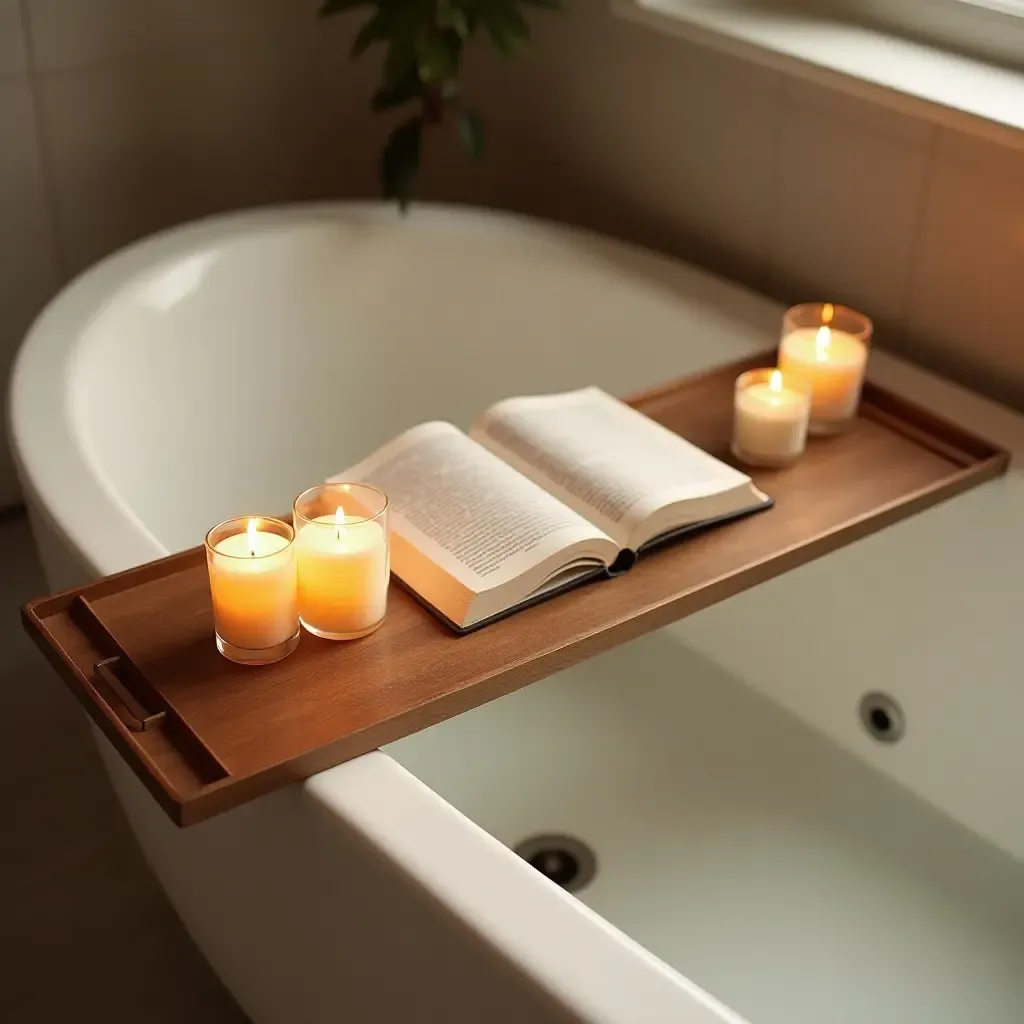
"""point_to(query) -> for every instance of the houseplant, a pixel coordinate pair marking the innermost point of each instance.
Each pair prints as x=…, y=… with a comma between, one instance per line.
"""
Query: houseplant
x=423, y=44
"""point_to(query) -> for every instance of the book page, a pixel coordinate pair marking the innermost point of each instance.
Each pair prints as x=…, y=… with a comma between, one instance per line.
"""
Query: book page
x=611, y=463
x=467, y=511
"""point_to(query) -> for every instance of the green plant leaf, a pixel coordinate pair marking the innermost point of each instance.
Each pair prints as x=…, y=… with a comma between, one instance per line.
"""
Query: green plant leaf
x=400, y=161
x=329, y=7
x=471, y=133
x=457, y=21
x=375, y=30
x=438, y=56
x=403, y=23
x=469, y=10
x=387, y=97
x=505, y=25
x=399, y=63
x=424, y=44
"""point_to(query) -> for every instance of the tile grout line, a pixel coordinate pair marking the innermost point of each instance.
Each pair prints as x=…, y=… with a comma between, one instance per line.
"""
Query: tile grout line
x=44, y=149
x=920, y=213
x=778, y=157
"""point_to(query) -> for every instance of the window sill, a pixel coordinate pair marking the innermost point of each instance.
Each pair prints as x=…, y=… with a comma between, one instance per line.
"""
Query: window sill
x=924, y=80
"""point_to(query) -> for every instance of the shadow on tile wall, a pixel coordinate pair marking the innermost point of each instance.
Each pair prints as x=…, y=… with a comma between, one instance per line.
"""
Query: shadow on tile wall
x=121, y=118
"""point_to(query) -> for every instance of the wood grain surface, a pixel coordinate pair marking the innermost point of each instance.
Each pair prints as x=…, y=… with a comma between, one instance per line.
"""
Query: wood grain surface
x=220, y=734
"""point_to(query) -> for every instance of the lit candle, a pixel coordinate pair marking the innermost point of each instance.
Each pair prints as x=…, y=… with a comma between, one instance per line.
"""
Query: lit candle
x=253, y=586
x=771, y=414
x=830, y=353
x=343, y=565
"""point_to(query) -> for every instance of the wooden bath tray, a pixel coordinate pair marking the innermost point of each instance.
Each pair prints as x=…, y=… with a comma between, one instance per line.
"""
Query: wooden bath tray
x=206, y=735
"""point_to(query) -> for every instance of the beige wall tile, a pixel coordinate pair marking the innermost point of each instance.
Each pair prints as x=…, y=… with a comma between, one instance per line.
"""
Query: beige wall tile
x=855, y=112
x=851, y=182
x=72, y=33
x=657, y=140
x=12, y=39
x=966, y=314
x=27, y=267
x=140, y=144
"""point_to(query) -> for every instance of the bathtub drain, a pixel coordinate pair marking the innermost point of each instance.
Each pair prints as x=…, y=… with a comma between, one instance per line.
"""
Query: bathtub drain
x=566, y=861
x=882, y=717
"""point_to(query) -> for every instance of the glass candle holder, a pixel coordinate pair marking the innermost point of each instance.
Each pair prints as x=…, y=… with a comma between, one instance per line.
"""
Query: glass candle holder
x=827, y=346
x=253, y=584
x=342, y=547
x=771, y=413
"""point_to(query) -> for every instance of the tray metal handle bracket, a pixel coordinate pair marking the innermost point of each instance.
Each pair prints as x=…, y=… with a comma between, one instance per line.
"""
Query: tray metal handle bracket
x=132, y=713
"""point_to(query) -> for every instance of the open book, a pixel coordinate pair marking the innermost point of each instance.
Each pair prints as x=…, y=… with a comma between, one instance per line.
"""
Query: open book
x=544, y=493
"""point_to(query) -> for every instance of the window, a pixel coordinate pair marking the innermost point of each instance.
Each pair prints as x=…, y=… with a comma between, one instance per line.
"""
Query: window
x=1015, y=7
x=986, y=29
x=963, y=58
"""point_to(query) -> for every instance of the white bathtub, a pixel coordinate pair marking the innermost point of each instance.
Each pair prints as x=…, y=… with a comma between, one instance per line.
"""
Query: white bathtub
x=750, y=835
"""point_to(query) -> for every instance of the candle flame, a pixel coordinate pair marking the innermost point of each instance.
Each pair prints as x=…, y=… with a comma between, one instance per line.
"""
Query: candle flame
x=822, y=340
x=339, y=520
x=827, y=312
x=254, y=525
x=775, y=381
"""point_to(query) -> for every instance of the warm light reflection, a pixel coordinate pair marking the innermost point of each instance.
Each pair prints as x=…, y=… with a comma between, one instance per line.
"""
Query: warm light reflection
x=178, y=281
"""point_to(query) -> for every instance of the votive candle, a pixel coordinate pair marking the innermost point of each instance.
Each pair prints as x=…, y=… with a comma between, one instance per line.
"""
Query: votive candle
x=827, y=346
x=770, y=417
x=253, y=585
x=342, y=552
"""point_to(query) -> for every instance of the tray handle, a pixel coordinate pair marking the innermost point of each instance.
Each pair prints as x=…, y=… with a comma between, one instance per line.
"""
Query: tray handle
x=131, y=713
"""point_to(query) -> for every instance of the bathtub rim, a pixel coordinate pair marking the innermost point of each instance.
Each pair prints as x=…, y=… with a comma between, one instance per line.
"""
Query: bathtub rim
x=55, y=468
x=53, y=465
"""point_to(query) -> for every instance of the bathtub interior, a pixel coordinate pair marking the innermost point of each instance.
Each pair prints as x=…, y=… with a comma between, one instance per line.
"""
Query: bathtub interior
x=749, y=852
x=265, y=360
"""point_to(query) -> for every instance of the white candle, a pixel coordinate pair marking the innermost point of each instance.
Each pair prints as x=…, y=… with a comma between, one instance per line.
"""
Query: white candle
x=343, y=575
x=832, y=362
x=253, y=587
x=770, y=419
